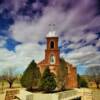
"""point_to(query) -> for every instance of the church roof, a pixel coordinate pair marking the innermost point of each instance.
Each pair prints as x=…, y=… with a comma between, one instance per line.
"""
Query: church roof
x=52, y=34
x=42, y=62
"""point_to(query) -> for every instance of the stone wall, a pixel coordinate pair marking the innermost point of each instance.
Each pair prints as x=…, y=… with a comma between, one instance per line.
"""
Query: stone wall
x=10, y=94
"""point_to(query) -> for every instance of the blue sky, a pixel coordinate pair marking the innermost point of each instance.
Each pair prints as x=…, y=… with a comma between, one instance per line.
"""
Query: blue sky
x=24, y=25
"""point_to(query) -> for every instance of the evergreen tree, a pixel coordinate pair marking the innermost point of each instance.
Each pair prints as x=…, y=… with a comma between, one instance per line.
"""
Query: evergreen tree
x=48, y=83
x=81, y=81
x=63, y=69
x=31, y=76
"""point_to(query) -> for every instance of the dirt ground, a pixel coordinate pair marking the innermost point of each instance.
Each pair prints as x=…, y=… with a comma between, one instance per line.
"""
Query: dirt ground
x=96, y=95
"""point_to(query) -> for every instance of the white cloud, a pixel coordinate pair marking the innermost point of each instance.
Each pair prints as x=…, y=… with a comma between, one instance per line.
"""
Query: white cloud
x=74, y=21
x=75, y=45
x=30, y=50
x=98, y=43
x=90, y=36
x=87, y=56
x=2, y=41
x=22, y=56
x=26, y=32
x=76, y=37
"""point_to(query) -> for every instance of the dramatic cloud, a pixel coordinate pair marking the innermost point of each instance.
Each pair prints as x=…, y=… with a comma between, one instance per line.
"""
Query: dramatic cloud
x=22, y=56
x=87, y=56
x=74, y=21
x=77, y=22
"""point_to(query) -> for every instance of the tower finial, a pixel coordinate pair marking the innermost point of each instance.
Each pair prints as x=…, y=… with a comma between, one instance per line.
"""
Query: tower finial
x=52, y=32
x=52, y=27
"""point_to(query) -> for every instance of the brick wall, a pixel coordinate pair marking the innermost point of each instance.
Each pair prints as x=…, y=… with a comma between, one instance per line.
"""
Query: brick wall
x=72, y=78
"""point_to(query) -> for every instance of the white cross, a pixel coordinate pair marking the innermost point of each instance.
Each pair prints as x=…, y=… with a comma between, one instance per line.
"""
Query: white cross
x=52, y=27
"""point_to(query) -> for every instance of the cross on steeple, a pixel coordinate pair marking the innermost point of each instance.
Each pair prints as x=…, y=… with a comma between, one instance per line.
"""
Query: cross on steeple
x=52, y=27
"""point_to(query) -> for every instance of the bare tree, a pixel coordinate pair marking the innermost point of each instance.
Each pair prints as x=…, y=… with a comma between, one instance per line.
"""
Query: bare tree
x=2, y=83
x=10, y=76
x=94, y=74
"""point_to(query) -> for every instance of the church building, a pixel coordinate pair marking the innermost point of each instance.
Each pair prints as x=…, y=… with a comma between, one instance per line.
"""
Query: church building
x=52, y=59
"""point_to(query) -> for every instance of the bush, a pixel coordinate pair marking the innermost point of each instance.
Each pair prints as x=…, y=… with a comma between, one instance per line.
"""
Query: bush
x=47, y=83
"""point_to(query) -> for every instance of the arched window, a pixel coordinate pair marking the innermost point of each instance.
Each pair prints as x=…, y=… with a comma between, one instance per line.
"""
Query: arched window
x=51, y=44
x=52, y=59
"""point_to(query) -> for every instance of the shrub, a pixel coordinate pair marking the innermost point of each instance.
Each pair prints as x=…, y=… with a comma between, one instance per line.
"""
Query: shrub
x=48, y=83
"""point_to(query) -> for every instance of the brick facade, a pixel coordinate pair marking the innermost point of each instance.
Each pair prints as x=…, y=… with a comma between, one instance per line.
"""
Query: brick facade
x=52, y=60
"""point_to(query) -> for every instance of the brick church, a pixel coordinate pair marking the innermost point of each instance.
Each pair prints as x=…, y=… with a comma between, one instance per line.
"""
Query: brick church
x=52, y=59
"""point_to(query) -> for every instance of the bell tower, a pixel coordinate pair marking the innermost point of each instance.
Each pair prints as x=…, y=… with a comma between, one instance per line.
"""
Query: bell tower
x=52, y=50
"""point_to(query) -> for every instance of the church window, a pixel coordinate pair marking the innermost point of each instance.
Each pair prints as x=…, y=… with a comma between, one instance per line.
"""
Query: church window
x=52, y=45
x=52, y=59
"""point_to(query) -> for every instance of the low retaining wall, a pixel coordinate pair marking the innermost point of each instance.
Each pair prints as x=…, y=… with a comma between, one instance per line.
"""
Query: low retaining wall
x=66, y=95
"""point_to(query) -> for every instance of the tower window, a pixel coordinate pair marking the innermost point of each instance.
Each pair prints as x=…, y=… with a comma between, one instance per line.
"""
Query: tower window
x=52, y=45
x=52, y=59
